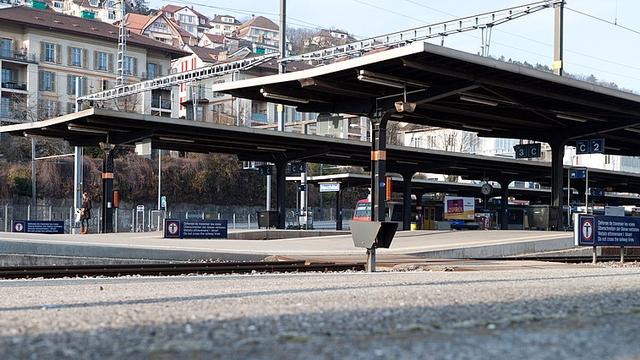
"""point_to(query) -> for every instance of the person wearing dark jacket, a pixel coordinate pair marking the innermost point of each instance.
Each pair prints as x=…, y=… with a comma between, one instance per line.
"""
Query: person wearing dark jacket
x=85, y=213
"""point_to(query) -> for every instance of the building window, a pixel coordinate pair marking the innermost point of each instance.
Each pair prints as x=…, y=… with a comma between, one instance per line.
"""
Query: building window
x=76, y=56
x=6, y=47
x=130, y=65
x=152, y=70
x=49, y=52
x=7, y=76
x=185, y=18
x=47, y=81
x=102, y=61
x=111, y=15
x=71, y=85
x=57, y=4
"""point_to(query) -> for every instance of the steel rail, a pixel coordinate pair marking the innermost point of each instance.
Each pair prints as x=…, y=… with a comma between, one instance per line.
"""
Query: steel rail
x=18, y=272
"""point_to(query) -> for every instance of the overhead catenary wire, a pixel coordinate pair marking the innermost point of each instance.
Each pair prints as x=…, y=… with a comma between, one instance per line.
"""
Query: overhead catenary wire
x=613, y=23
x=524, y=37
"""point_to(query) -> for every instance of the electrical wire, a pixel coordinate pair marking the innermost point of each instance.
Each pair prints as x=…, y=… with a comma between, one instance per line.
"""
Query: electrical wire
x=637, y=32
x=547, y=44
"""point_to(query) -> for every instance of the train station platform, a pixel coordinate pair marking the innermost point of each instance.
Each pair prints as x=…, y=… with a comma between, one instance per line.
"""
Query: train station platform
x=151, y=246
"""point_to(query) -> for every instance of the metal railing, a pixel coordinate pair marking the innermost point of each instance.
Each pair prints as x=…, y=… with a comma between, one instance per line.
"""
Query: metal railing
x=14, y=85
x=17, y=55
x=129, y=219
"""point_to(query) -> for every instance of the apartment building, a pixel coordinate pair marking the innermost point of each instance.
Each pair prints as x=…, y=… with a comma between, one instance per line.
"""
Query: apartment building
x=224, y=25
x=187, y=18
x=103, y=10
x=44, y=54
x=262, y=32
x=158, y=27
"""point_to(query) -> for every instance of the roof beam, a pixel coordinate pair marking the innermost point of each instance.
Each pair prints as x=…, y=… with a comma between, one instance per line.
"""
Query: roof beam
x=339, y=88
x=514, y=86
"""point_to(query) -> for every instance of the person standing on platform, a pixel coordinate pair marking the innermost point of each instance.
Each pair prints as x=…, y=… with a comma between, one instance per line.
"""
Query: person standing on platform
x=85, y=213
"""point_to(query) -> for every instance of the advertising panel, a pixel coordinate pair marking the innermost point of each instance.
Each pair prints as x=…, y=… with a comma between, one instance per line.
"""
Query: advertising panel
x=459, y=208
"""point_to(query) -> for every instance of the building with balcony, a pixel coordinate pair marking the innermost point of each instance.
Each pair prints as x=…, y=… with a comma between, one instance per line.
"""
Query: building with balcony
x=262, y=33
x=158, y=27
x=47, y=59
x=102, y=10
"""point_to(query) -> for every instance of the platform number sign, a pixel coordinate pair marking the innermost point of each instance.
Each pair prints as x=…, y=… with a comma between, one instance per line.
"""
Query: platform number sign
x=590, y=146
x=265, y=170
x=526, y=151
x=295, y=168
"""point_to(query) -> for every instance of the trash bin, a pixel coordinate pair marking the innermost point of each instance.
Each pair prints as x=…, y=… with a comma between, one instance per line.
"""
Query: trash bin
x=267, y=219
x=367, y=233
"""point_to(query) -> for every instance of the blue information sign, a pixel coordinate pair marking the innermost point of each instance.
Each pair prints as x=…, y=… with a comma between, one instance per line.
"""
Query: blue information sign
x=204, y=229
x=38, y=227
x=196, y=229
x=598, y=192
x=577, y=174
x=599, y=230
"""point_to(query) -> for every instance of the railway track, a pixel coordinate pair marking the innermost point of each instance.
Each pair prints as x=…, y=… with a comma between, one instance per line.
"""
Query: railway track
x=22, y=272
x=566, y=259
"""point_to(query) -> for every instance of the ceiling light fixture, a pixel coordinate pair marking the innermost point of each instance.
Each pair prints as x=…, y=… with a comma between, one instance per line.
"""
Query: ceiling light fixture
x=392, y=79
x=267, y=148
x=339, y=156
x=90, y=130
x=571, y=117
x=377, y=81
x=479, y=128
x=164, y=138
x=476, y=100
x=273, y=96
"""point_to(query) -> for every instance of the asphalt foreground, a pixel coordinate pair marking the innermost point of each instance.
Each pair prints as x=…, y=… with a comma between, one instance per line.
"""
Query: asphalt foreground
x=576, y=312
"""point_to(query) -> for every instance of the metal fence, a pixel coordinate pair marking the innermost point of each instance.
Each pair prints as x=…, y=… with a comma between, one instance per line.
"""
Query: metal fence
x=143, y=219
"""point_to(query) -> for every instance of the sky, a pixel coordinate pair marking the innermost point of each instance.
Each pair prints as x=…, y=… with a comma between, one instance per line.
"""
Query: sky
x=590, y=46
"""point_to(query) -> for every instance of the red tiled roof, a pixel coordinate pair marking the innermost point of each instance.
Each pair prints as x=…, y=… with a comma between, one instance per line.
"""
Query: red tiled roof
x=171, y=8
x=136, y=22
x=261, y=22
x=216, y=39
x=206, y=54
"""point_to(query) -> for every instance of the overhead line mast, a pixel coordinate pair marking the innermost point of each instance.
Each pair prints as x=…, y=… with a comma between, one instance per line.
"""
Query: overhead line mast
x=358, y=48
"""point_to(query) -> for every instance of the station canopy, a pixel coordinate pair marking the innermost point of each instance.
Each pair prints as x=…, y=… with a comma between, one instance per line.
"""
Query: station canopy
x=458, y=90
x=92, y=126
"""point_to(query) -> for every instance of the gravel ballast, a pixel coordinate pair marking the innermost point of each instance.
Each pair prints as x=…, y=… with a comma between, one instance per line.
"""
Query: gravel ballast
x=585, y=313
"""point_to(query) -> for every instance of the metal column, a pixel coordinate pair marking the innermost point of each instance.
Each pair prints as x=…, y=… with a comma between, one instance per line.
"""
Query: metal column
x=339, y=209
x=107, y=190
x=378, y=166
x=504, y=204
x=558, y=66
x=406, y=200
x=34, y=189
x=557, y=177
x=281, y=188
